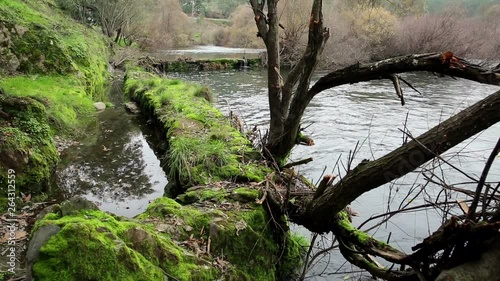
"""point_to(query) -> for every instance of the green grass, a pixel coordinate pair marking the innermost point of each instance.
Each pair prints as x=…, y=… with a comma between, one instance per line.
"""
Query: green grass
x=64, y=97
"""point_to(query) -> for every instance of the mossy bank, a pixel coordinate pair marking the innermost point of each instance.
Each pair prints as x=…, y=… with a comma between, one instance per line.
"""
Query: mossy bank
x=203, y=146
x=51, y=70
x=189, y=65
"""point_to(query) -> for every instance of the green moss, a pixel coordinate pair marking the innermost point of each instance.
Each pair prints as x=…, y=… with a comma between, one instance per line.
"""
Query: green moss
x=68, y=107
x=203, y=147
x=248, y=243
x=207, y=65
x=241, y=237
x=296, y=249
x=25, y=144
x=45, y=41
x=114, y=250
x=215, y=195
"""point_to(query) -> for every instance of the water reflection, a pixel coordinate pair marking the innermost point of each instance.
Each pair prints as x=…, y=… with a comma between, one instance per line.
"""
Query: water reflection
x=116, y=169
x=371, y=114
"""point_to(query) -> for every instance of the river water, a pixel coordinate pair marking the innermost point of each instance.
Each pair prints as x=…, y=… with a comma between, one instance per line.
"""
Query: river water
x=370, y=114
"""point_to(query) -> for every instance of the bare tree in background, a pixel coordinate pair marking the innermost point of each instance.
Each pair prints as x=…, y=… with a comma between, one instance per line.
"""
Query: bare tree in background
x=118, y=19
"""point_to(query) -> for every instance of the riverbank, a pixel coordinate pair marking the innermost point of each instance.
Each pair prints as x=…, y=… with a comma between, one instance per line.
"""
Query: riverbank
x=214, y=226
x=53, y=69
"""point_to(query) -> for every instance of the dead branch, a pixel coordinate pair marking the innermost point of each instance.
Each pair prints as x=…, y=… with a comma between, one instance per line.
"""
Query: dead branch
x=480, y=185
x=301, y=162
x=318, y=215
x=432, y=62
x=397, y=87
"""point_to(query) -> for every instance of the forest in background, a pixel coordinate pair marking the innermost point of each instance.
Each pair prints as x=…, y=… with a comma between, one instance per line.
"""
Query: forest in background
x=362, y=30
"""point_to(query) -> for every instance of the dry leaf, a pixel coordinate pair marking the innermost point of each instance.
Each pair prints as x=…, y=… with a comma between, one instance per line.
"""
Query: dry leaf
x=463, y=206
x=27, y=198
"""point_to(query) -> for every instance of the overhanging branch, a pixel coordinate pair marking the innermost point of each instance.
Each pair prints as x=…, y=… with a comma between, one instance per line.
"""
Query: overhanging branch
x=433, y=62
x=319, y=214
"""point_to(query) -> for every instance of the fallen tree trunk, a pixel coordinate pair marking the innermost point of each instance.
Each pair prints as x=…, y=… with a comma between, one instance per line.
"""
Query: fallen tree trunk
x=318, y=216
x=433, y=62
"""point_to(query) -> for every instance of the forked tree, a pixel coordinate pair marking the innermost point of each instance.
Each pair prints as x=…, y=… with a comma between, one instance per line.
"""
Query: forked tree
x=323, y=211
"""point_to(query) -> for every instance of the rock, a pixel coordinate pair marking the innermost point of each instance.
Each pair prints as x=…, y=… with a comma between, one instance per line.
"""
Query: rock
x=132, y=107
x=41, y=236
x=47, y=210
x=99, y=106
x=75, y=204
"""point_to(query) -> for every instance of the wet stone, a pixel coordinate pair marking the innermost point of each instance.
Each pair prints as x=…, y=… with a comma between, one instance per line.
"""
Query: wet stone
x=131, y=107
x=100, y=106
x=76, y=204
x=41, y=236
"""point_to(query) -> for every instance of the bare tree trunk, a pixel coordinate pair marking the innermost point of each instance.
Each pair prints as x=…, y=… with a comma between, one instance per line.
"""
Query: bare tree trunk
x=274, y=79
x=285, y=120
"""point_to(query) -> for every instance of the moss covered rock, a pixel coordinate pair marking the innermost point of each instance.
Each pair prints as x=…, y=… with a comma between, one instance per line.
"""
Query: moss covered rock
x=208, y=239
x=26, y=146
x=93, y=245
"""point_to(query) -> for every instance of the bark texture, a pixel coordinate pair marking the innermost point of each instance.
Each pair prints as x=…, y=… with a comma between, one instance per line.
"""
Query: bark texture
x=286, y=96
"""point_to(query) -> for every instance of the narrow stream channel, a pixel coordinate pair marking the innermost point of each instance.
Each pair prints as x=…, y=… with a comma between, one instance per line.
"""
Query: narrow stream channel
x=115, y=167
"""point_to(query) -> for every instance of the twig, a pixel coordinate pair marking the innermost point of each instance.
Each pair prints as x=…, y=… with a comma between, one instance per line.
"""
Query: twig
x=311, y=246
x=409, y=85
x=486, y=170
x=395, y=81
x=438, y=156
x=300, y=162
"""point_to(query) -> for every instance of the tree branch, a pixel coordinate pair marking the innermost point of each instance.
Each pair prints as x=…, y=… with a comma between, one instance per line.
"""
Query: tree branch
x=432, y=62
x=260, y=18
x=318, y=216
